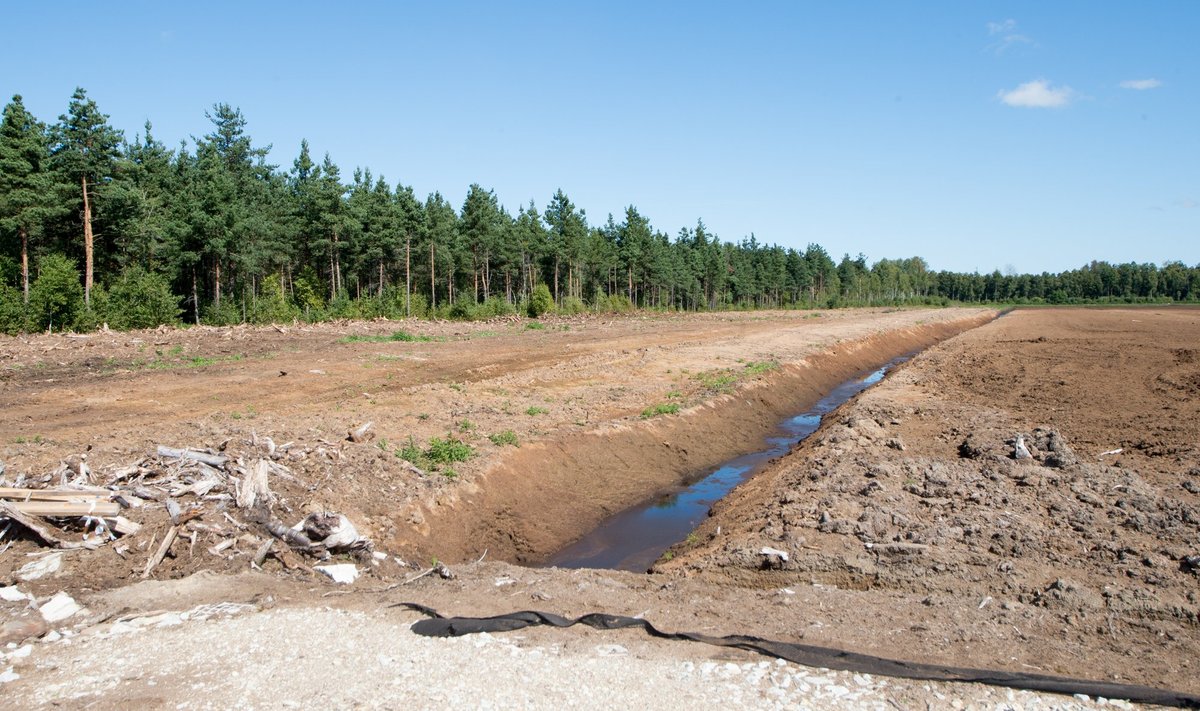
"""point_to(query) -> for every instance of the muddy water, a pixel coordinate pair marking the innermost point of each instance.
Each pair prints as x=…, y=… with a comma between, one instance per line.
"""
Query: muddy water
x=635, y=538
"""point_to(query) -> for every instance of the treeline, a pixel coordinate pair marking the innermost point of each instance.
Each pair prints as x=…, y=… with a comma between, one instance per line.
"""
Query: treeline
x=96, y=227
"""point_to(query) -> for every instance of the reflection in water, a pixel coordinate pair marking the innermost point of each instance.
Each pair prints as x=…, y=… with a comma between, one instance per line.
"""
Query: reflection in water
x=636, y=537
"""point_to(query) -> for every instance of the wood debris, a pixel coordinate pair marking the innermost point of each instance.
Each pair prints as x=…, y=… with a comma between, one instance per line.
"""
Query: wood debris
x=220, y=498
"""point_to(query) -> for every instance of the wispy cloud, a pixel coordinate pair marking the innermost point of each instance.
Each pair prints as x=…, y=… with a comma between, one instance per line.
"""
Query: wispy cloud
x=1006, y=36
x=999, y=28
x=1141, y=84
x=1039, y=94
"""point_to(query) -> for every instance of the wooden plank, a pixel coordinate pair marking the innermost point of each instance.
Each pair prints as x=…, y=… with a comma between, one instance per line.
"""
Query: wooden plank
x=15, y=494
x=67, y=508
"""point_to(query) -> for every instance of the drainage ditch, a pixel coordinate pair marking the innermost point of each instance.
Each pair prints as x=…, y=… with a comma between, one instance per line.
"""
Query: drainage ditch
x=636, y=537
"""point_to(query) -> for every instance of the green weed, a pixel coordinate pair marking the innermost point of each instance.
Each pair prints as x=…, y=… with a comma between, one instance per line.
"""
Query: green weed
x=663, y=408
x=507, y=437
x=394, y=337
x=535, y=410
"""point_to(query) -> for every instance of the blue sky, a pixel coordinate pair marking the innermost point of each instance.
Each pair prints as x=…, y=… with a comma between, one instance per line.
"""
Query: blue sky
x=1032, y=136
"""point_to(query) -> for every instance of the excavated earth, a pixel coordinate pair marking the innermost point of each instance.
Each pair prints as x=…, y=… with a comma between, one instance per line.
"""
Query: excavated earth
x=910, y=529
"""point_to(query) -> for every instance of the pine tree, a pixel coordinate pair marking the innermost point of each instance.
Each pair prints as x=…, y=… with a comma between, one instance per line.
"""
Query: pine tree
x=84, y=152
x=24, y=182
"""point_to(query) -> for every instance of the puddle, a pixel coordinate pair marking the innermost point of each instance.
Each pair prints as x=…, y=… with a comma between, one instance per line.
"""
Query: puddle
x=635, y=538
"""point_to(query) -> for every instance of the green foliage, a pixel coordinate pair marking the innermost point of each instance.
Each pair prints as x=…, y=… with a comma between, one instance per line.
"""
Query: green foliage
x=12, y=310
x=271, y=304
x=448, y=450
x=535, y=410
x=535, y=326
x=718, y=381
x=663, y=408
x=140, y=299
x=540, y=302
x=758, y=368
x=394, y=337
x=507, y=437
x=213, y=217
x=571, y=305
x=56, y=296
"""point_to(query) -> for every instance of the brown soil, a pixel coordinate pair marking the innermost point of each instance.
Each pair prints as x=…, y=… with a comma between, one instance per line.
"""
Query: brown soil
x=908, y=509
x=910, y=530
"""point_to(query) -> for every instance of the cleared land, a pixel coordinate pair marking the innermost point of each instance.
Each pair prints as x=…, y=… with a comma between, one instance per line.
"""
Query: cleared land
x=911, y=531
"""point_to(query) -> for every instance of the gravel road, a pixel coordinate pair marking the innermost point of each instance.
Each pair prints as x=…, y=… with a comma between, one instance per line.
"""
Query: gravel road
x=238, y=656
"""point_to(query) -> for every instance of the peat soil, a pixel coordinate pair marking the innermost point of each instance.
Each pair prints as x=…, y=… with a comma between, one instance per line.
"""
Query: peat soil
x=911, y=532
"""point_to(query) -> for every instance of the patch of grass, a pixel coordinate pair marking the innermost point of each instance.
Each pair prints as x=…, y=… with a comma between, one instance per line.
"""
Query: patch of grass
x=674, y=394
x=535, y=410
x=662, y=408
x=201, y=361
x=535, y=326
x=456, y=387
x=394, y=337
x=466, y=426
x=718, y=381
x=507, y=437
x=760, y=367
x=423, y=416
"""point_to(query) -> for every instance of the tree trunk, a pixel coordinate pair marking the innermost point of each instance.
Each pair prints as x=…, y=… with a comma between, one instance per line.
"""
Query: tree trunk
x=25, y=263
x=87, y=244
x=432, y=280
x=217, y=277
x=407, y=276
x=195, y=298
x=381, y=279
x=556, y=278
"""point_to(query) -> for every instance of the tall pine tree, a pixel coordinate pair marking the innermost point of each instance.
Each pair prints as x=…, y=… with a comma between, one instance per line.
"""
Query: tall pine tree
x=24, y=182
x=84, y=153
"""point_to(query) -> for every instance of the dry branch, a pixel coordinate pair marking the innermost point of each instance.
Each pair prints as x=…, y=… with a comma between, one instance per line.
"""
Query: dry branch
x=212, y=460
x=172, y=534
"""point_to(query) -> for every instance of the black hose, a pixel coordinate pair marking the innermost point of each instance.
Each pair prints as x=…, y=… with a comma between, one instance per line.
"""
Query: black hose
x=807, y=655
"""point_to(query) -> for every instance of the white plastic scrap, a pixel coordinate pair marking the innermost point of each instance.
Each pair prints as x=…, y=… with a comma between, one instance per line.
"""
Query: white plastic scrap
x=41, y=567
x=10, y=593
x=59, y=608
x=8, y=675
x=343, y=573
x=775, y=552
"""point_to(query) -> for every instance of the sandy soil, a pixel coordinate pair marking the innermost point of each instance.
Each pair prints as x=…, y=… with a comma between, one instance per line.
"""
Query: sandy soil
x=911, y=531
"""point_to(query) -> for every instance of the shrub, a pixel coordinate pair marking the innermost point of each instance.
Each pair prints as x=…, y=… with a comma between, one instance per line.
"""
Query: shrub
x=571, y=305
x=451, y=449
x=142, y=299
x=12, y=310
x=540, y=302
x=56, y=296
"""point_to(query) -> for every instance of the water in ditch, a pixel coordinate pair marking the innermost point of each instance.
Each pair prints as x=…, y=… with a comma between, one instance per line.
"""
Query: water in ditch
x=635, y=538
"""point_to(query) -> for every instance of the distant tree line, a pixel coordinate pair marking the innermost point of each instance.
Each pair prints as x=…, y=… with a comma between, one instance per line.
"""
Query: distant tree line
x=98, y=228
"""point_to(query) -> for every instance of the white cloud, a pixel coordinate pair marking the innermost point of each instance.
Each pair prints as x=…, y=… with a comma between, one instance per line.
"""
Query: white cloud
x=1038, y=94
x=999, y=28
x=1141, y=84
x=1006, y=36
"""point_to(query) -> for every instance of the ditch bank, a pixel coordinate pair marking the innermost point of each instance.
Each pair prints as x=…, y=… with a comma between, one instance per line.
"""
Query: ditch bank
x=547, y=494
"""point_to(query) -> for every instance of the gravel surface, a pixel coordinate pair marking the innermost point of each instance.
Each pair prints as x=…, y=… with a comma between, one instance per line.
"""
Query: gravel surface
x=235, y=656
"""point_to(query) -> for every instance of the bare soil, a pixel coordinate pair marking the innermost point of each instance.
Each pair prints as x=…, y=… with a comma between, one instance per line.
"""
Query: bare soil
x=910, y=530
x=908, y=510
